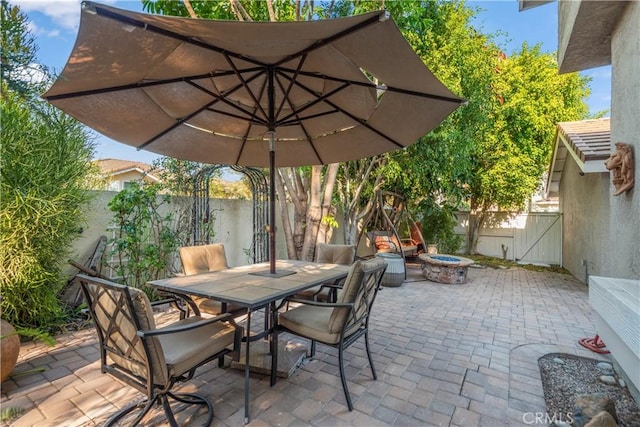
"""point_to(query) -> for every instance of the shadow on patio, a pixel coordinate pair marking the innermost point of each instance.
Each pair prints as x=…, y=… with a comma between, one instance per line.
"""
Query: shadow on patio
x=446, y=355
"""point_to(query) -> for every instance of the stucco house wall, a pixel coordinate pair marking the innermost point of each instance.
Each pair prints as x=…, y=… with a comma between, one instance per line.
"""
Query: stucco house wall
x=592, y=34
x=233, y=226
x=599, y=227
x=622, y=253
x=583, y=209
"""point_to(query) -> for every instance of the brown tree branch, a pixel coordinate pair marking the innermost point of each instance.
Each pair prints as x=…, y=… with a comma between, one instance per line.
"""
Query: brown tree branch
x=192, y=13
x=272, y=11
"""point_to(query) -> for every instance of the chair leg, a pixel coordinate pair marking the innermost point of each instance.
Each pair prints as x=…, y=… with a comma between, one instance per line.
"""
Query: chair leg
x=274, y=356
x=167, y=411
x=313, y=349
x=190, y=399
x=366, y=344
x=146, y=405
x=343, y=379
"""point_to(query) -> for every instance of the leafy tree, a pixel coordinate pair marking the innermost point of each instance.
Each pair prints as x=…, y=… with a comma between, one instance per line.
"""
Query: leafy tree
x=514, y=143
x=357, y=182
x=487, y=154
x=18, y=66
x=310, y=189
x=433, y=173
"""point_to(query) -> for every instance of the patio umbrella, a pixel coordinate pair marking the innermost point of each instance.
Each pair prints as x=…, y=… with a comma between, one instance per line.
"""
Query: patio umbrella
x=230, y=92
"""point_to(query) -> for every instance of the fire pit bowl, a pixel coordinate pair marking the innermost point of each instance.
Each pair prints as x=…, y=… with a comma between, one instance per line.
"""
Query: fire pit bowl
x=441, y=268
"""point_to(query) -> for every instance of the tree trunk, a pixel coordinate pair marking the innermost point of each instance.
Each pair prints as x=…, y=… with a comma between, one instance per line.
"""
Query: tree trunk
x=355, y=174
x=311, y=199
x=476, y=222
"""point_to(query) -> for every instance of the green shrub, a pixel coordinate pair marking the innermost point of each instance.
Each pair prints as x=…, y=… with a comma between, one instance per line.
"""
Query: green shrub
x=438, y=226
x=44, y=159
x=145, y=240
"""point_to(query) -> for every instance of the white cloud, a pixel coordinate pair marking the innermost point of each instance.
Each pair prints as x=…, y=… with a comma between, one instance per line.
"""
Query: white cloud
x=37, y=31
x=603, y=72
x=64, y=13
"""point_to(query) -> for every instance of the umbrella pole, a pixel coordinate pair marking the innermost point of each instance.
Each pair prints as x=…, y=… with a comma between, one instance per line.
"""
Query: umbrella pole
x=272, y=203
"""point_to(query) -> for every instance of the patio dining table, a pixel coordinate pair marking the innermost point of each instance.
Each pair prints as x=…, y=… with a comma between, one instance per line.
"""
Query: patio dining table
x=245, y=286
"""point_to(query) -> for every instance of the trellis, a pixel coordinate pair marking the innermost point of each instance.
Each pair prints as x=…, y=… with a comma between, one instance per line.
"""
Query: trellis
x=259, y=251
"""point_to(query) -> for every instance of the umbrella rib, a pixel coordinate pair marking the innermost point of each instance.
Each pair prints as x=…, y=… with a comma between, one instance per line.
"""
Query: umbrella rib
x=354, y=118
x=167, y=33
x=198, y=111
x=142, y=85
x=285, y=96
x=244, y=83
x=323, y=42
x=246, y=134
x=175, y=125
x=251, y=119
x=317, y=100
x=224, y=100
x=303, y=118
x=372, y=85
x=300, y=122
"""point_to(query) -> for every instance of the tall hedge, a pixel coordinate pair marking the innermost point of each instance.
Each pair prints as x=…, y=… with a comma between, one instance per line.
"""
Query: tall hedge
x=44, y=160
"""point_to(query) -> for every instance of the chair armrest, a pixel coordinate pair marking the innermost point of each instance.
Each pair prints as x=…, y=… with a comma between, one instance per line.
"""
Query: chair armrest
x=182, y=326
x=321, y=304
x=174, y=298
x=169, y=300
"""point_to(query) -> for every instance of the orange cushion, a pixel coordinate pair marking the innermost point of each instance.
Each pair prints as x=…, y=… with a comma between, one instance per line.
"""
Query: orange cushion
x=387, y=242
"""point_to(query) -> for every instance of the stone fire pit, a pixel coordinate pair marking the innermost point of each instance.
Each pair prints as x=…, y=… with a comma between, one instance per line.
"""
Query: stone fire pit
x=445, y=268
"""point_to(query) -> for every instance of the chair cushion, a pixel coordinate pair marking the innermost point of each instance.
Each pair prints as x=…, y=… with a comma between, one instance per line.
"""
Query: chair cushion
x=200, y=259
x=188, y=349
x=210, y=306
x=389, y=243
x=335, y=254
x=350, y=289
x=311, y=322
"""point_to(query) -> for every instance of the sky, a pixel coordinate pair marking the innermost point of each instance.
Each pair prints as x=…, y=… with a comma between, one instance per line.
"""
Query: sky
x=54, y=23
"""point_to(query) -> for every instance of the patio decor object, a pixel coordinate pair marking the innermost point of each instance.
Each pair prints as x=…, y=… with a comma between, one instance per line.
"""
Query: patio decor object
x=390, y=227
x=9, y=349
x=395, y=273
x=445, y=268
x=149, y=359
x=230, y=92
x=622, y=167
x=338, y=324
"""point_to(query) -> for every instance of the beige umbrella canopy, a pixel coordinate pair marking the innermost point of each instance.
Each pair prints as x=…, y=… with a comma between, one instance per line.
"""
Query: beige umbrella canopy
x=229, y=92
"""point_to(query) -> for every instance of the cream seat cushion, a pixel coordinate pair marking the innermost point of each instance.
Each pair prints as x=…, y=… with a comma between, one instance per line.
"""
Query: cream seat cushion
x=190, y=348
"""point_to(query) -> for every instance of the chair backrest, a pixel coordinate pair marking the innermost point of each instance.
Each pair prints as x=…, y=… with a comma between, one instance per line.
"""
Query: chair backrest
x=360, y=289
x=200, y=259
x=335, y=254
x=118, y=313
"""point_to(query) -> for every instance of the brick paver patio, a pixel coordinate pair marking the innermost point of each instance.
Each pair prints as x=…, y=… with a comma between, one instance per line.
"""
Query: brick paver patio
x=446, y=355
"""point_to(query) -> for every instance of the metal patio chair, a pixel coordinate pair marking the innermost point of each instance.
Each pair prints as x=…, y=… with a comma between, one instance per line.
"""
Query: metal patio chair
x=338, y=324
x=150, y=359
x=332, y=254
x=203, y=258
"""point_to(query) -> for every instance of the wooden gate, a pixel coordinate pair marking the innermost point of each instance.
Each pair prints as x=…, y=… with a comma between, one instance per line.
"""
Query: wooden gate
x=534, y=237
